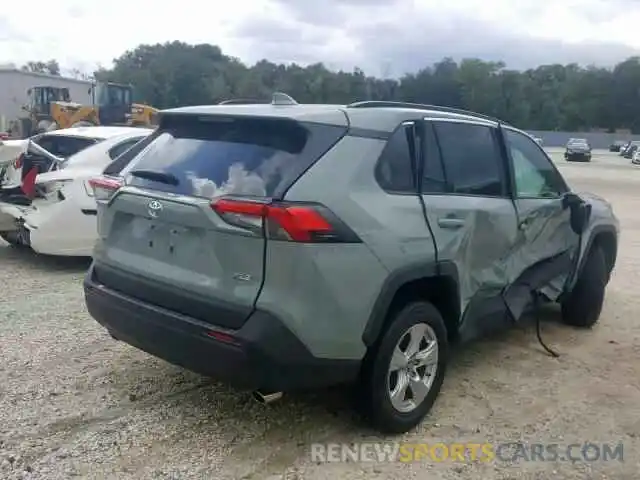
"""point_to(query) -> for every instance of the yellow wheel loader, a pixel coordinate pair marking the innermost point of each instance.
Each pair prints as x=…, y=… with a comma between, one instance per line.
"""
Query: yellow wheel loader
x=114, y=102
x=51, y=108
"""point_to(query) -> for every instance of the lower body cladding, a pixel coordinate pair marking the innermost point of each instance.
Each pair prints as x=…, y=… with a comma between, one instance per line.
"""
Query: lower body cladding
x=263, y=355
x=53, y=228
x=577, y=157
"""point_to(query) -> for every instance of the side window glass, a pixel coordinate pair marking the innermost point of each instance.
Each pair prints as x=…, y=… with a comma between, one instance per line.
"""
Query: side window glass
x=119, y=149
x=393, y=171
x=472, y=159
x=535, y=175
x=433, y=178
x=125, y=157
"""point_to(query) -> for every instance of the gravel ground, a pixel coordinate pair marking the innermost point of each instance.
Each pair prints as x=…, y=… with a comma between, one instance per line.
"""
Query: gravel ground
x=75, y=403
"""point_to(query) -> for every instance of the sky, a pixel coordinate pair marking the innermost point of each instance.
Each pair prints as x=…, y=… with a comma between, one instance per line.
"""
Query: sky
x=383, y=37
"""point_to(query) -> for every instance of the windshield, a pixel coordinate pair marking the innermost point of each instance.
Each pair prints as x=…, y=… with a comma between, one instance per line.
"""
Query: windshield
x=63, y=146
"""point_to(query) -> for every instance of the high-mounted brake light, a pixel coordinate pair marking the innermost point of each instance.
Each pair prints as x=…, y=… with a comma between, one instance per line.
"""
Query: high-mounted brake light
x=284, y=221
x=104, y=187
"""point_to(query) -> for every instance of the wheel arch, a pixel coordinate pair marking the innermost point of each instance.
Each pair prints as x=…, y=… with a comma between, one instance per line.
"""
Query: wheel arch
x=434, y=282
x=606, y=238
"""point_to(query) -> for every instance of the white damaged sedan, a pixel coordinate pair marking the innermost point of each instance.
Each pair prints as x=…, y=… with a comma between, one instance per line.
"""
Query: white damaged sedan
x=58, y=217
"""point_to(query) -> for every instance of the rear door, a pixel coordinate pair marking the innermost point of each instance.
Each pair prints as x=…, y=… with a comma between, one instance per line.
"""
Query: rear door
x=473, y=219
x=162, y=241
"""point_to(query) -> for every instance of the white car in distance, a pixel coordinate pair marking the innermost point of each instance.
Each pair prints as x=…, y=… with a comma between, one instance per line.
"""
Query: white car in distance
x=61, y=219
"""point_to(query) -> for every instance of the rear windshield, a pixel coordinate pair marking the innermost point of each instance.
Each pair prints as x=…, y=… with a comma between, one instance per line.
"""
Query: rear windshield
x=62, y=146
x=213, y=156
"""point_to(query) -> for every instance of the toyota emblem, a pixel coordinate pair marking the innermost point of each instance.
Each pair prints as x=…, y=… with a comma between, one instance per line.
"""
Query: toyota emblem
x=154, y=207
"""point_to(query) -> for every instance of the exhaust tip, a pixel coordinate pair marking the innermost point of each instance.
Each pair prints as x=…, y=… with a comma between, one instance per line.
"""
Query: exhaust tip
x=266, y=398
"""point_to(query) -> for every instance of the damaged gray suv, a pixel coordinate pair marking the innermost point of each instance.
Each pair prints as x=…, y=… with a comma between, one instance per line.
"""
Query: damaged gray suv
x=283, y=246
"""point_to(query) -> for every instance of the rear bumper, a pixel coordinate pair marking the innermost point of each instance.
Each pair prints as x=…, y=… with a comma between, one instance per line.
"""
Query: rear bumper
x=262, y=354
x=56, y=228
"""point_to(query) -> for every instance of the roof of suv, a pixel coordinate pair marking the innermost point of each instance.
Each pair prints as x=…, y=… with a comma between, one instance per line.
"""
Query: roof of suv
x=372, y=115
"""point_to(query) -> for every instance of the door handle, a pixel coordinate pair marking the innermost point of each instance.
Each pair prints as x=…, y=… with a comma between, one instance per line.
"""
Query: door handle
x=450, y=222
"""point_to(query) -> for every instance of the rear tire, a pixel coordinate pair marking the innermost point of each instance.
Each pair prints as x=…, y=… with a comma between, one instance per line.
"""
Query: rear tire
x=395, y=413
x=583, y=306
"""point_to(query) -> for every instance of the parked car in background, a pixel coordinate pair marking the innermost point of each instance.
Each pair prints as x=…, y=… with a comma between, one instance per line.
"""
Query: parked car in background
x=231, y=243
x=617, y=145
x=631, y=149
x=54, y=212
x=577, y=150
x=44, y=151
x=636, y=157
x=624, y=148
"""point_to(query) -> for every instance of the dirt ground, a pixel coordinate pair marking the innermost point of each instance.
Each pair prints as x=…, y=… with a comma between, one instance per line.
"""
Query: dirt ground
x=76, y=404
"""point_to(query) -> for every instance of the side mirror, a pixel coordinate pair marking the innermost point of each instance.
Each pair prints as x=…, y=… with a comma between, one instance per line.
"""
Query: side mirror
x=580, y=212
x=29, y=91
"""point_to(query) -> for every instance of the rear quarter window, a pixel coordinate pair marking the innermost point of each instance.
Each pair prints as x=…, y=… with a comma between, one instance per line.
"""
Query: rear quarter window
x=213, y=156
x=63, y=146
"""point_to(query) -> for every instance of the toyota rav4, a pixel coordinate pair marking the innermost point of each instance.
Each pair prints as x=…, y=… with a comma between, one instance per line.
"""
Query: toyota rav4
x=284, y=246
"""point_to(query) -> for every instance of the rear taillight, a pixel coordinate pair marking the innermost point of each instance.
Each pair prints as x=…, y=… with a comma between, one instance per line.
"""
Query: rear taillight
x=294, y=222
x=104, y=187
x=17, y=163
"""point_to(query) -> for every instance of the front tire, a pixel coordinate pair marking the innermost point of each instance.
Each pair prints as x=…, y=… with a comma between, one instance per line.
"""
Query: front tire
x=583, y=306
x=404, y=373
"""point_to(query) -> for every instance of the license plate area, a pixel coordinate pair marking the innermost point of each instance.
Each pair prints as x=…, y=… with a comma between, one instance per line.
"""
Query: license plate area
x=164, y=241
x=158, y=239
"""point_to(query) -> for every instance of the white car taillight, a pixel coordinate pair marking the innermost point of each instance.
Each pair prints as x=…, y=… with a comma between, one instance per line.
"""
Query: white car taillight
x=104, y=187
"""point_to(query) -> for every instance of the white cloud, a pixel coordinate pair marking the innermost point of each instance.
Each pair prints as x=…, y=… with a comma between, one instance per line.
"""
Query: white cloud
x=86, y=33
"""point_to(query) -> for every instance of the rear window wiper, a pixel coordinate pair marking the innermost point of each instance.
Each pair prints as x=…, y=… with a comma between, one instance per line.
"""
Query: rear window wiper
x=155, y=176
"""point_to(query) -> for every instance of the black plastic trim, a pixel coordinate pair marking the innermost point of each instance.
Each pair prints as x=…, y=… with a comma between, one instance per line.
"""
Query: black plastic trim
x=391, y=286
x=420, y=106
x=597, y=230
x=263, y=354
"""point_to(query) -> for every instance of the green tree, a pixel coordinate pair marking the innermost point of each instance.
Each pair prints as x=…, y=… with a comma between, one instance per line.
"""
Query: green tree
x=50, y=67
x=549, y=97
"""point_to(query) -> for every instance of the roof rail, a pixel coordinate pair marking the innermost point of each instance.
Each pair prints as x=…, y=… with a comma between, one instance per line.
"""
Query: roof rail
x=420, y=106
x=278, y=98
x=241, y=101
